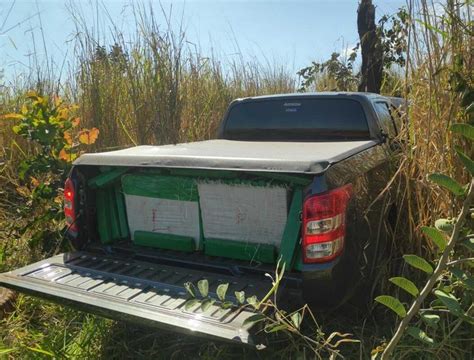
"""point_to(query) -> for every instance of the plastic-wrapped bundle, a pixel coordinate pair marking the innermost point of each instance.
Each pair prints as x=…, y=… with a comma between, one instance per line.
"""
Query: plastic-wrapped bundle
x=243, y=212
x=162, y=205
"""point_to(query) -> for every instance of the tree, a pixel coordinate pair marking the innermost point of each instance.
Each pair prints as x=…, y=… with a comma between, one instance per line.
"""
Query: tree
x=371, y=48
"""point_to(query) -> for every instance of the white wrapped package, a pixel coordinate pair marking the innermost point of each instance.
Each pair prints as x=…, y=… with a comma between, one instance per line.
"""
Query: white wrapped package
x=163, y=216
x=253, y=214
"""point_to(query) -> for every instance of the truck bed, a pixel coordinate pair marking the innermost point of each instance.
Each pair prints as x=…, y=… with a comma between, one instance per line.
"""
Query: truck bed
x=286, y=157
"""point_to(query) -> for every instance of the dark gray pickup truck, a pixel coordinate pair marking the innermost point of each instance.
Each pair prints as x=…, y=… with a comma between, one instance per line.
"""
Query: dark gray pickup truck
x=291, y=179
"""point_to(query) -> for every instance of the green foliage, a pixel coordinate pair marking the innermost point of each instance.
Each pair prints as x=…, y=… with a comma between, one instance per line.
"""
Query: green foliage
x=449, y=301
x=341, y=70
x=448, y=183
x=190, y=288
x=252, y=300
x=419, y=334
x=393, y=304
x=435, y=236
x=454, y=290
x=296, y=318
x=203, y=286
x=206, y=300
x=431, y=320
x=392, y=33
x=465, y=130
x=254, y=319
x=268, y=316
x=240, y=296
x=418, y=263
x=221, y=291
x=190, y=304
x=206, y=304
x=444, y=225
x=405, y=284
x=466, y=160
x=461, y=275
x=51, y=126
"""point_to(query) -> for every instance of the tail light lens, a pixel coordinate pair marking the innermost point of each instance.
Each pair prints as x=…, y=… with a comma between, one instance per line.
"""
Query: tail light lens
x=324, y=225
x=70, y=206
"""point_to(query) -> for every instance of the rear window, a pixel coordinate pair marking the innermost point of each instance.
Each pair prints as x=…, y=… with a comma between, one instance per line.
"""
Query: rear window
x=297, y=119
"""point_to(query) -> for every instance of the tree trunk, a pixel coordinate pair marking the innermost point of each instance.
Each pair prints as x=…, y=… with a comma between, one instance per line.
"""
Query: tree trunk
x=371, y=49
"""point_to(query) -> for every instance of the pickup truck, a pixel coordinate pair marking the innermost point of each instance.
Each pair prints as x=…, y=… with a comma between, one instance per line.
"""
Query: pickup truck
x=291, y=179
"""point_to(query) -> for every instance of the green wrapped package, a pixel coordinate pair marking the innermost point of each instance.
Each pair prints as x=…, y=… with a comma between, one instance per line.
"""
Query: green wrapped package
x=162, y=187
x=240, y=250
x=164, y=241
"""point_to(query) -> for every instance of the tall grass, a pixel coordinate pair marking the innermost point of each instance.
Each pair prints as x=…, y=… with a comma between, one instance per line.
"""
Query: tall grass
x=156, y=88
x=437, y=37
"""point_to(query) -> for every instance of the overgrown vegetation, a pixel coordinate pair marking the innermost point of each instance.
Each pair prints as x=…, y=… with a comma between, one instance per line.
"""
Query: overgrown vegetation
x=157, y=89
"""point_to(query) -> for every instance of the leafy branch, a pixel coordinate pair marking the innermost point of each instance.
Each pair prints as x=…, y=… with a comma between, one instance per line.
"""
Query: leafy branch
x=442, y=265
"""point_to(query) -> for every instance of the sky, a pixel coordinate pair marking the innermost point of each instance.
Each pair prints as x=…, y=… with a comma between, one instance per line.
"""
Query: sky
x=289, y=33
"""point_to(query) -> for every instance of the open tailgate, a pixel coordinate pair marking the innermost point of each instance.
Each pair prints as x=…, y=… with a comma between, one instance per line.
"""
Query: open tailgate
x=147, y=293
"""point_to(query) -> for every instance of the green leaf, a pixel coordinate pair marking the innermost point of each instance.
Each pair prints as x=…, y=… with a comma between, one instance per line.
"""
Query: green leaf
x=418, y=263
x=465, y=130
x=41, y=351
x=405, y=284
x=448, y=183
x=393, y=304
x=240, y=296
x=227, y=305
x=435, y=236
x=190, y=303
x=466, y=160
x=275, y=327
x=17, y=129
x=445, y=225
x=190, y=289
x=254, y=319
x=419, y=334
x=203, y=286
x=469, y=244
x=4, y=351
x=450, y=302
x=444, y=34
x=206, y=304
x=221, y=291
x=467, y=280
x=252, y=300
x=296, y=319
x=431, y=320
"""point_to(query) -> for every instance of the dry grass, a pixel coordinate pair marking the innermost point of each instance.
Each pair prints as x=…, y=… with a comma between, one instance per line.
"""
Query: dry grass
x=433, y=107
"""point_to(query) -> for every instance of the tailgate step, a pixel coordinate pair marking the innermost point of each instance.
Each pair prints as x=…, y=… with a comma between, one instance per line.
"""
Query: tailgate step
x=147, y=293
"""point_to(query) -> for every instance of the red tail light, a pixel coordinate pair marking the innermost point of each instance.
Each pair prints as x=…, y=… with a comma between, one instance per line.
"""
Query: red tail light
x=324, y=225
x=70, y=206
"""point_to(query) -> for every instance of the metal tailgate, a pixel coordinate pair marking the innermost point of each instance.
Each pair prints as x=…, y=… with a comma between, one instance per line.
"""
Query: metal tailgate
x=147, y=293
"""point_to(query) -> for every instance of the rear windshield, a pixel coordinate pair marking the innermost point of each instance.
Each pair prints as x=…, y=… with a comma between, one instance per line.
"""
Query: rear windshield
x=297, y=119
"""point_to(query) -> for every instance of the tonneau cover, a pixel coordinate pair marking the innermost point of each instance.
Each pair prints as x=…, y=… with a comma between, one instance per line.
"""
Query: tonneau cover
x=288, y=157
